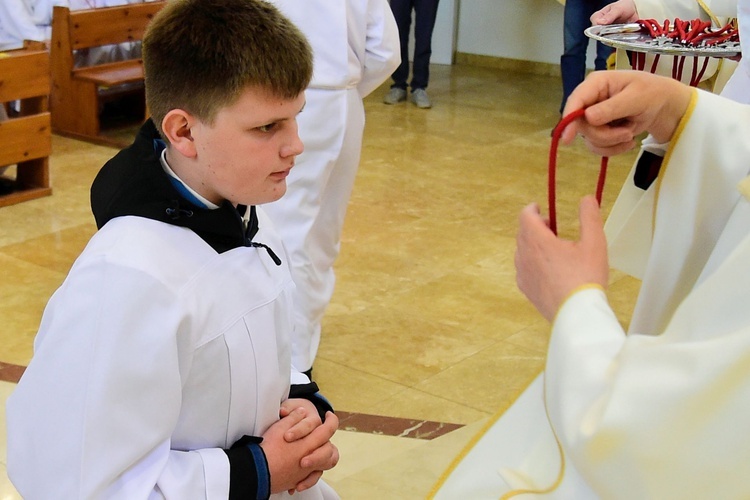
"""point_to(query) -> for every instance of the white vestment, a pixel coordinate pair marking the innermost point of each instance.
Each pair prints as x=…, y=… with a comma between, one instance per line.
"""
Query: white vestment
x=155, y=355
x=356, y=48
x=25, y=20
x=659, y=415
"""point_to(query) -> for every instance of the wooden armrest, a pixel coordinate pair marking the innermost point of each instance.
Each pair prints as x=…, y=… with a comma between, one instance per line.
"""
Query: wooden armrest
x=34, y=45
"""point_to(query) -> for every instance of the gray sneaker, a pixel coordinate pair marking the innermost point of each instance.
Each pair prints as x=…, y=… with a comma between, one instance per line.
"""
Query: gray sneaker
x=395, y=95
x=421, y=99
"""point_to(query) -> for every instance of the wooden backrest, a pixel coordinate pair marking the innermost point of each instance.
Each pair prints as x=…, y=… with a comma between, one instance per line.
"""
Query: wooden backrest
x=108, y=25
x=81, y=29
x=23, y=74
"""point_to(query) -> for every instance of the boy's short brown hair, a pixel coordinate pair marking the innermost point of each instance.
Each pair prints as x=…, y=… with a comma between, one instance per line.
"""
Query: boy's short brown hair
x=200, y=55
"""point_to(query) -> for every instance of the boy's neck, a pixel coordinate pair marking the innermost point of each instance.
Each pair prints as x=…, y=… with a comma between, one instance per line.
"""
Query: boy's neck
x=182, y=185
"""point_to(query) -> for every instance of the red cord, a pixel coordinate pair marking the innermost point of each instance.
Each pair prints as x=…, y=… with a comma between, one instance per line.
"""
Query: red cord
x=556, y=133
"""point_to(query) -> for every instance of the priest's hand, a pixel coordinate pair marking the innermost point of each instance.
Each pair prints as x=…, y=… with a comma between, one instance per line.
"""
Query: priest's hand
x=549, y=268
x=621, y=11
x=621, y=105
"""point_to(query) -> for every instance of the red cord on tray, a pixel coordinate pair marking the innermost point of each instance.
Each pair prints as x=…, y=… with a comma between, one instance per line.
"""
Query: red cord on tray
x=556, y=133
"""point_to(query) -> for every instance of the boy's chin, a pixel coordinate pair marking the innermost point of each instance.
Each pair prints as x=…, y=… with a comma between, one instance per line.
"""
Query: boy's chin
x=271, y=197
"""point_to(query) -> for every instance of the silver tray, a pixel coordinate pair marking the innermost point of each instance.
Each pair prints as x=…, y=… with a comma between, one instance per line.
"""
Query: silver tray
x=630, y=37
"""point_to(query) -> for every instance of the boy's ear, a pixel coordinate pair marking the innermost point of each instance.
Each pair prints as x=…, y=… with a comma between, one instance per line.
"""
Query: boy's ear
x=177, y=125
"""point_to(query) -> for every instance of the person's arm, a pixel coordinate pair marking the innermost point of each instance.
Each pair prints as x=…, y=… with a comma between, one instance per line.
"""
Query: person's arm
x=17, y=20
x=382, y=49
x=43, y=11
x=640, y=413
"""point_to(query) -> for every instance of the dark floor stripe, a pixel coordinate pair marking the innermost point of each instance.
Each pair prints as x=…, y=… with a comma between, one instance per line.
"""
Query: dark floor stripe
x=11, y=373
x=393, y=426
x=353, y=422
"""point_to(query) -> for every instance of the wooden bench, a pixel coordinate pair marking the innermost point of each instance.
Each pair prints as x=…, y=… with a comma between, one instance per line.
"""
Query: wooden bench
x=79, y=93
x=25, y=138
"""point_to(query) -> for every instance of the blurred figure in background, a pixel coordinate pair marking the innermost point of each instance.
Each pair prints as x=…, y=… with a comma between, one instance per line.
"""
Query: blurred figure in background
x=355, y=48
x=575, y=44
x=425, y=13
x=25, y=20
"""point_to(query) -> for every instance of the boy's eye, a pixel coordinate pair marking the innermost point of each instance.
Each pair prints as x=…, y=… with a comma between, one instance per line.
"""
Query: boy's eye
x=267, y=128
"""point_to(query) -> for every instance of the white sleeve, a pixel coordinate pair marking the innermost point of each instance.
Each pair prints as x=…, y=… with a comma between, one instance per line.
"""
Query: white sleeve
x=640, y=414
x=382, y=47
x=17, y=20
x=43, y=11
x=93, y=415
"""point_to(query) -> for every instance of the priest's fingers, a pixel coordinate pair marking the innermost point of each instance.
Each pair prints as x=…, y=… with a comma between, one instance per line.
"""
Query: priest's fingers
x=622, y=11
x=609, y=145
x=626, y=103
x=536, y=258
x=607, y=120
x=531, y=219
x=548, y=268
x=593, y=241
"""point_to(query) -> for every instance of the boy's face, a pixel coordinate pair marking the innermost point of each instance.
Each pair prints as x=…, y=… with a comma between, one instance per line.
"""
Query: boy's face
x=248, y=151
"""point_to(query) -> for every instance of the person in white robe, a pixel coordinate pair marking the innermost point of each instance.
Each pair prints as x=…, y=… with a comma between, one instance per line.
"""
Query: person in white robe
x=356, y=48
x=162, y=365
x=627, y=219
x=25, y=20
x=654, y=414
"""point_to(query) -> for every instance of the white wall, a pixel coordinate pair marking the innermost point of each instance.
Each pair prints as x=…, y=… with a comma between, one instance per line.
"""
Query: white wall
x=530, y=30
x=444, y=35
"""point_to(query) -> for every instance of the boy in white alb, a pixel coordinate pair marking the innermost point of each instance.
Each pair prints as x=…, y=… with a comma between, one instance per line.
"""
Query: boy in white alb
x=162, y=366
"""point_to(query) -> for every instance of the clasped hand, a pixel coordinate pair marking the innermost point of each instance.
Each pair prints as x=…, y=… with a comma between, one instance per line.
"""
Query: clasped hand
x=298, y=447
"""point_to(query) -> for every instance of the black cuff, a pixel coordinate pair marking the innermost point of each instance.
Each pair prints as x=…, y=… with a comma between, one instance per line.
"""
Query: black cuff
x=647, y=169
x=249, y=476
x=310, y=393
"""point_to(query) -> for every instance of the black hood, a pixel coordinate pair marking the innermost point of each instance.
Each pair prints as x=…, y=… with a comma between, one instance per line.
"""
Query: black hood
x=134, y=183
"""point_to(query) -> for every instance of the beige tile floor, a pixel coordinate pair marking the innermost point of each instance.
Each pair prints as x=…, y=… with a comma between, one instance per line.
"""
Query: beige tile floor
x=426, y=322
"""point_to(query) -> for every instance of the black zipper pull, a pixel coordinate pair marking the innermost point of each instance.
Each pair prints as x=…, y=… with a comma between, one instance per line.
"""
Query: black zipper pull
x=271, y=253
